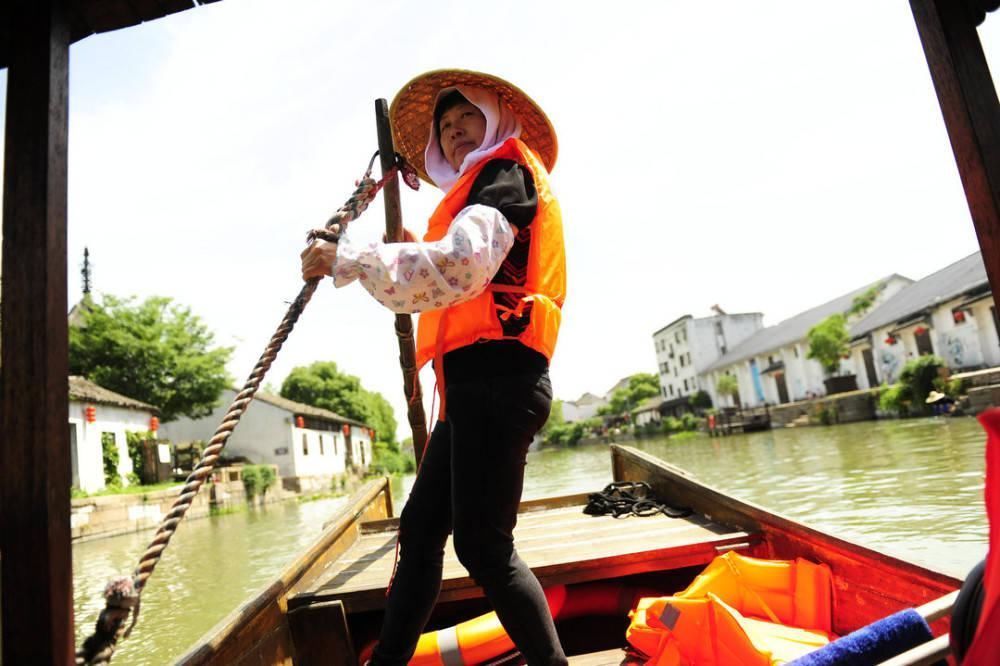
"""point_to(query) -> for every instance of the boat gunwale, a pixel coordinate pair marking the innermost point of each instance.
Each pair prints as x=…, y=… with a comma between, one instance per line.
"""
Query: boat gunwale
x=752, y=517
x=299, y=571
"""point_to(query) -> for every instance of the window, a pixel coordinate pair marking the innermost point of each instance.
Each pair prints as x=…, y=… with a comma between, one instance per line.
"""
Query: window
x=682, y=360
x=685, y=385
x=334, y=445
x=677, y=337
x=663, y=390
x=689, y=358
x=796, y=350
x=671, y=351
x=321, y=444
x=671, y=390
x=305, y=444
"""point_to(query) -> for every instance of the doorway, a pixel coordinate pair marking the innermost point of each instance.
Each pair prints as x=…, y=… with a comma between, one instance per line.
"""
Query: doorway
x=870, y=367
x=779, y=380
x=923, y=340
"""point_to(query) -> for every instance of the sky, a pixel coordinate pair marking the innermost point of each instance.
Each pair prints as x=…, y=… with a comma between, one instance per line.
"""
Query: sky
x=765, y=157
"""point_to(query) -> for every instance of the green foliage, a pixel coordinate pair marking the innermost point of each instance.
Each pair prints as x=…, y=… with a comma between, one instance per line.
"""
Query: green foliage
x=727, y=385
x=555, y=418
x=109, y=454
x=895, y=399
x=257, y=479
x=386, y=459
x=154, y=351
x=640, y=386
x=686, y=423
x=134, y=441
x=828, y=342
x=700, y=400
x=919, y=376
x=863, y=303
x=321, y=384
x=827, y=415
x=569, y=434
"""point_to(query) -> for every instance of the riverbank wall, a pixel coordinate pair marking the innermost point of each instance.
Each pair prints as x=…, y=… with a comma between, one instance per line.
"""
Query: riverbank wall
x=838, y=408
x=110, y=515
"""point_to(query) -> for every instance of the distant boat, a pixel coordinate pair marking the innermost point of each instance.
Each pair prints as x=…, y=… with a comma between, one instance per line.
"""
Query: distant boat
x=327, y=606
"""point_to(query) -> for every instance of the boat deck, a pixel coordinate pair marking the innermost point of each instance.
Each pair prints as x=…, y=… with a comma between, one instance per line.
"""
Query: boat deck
x=559, y=542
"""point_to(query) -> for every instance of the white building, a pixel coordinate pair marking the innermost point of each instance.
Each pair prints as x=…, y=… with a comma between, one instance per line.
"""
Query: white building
x=686, y=346
x=309, y=445
x=97, y=415
x=949, y=313
x=582, y=408
x=771, y=365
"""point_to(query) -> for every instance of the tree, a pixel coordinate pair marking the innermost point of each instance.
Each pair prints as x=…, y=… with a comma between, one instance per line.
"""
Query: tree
x=640, y=386
x=555, y=419
x=321, y=384
x=828, y=342
x=727, y=385
x=155, y=351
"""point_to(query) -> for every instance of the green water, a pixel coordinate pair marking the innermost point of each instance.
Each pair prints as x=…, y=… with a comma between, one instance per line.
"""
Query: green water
x=912, y=488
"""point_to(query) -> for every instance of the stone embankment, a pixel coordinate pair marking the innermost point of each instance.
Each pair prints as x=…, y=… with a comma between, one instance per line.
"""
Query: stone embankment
x=983, y=387
x=839, y=408
x=110, y=515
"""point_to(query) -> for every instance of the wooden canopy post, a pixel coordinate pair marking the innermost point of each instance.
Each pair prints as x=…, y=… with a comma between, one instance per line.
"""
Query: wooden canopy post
x=37, y=574
x=971, y=112
x=404, y=323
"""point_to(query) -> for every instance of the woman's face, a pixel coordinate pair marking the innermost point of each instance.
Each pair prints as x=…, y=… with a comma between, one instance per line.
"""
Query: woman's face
x=461, y=129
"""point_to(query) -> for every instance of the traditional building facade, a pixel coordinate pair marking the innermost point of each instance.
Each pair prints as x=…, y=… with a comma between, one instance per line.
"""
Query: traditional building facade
x=771, y=365
x=949, y=313
x=98, y=416
x=309, y=445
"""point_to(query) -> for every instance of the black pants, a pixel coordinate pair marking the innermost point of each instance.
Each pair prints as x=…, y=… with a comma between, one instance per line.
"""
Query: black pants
x=470, y=482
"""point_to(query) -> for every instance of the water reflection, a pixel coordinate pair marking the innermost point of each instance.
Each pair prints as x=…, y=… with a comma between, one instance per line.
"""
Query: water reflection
x=211, y=566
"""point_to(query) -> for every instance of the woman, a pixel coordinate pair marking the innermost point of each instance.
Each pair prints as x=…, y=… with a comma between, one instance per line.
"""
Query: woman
x=489, y=282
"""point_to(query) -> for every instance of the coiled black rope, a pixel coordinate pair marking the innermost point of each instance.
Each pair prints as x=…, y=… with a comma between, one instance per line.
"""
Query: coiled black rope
x=630, y=498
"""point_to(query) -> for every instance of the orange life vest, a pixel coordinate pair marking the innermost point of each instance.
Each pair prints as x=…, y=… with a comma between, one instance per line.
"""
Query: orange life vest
x=740, y=610
x=544, y=283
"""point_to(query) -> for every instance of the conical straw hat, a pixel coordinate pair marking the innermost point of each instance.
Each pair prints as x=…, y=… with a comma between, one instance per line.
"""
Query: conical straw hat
x=412, y=112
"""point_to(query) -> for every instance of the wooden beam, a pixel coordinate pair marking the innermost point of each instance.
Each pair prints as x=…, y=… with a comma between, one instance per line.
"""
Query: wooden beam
x=404, y=323
x=971, y=111
x=36, y=580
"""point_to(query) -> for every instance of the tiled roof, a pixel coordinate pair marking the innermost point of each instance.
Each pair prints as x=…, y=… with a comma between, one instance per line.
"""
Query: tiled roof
x=304, y=409
x=792, y=329
x=84, y=390
x=962, y=277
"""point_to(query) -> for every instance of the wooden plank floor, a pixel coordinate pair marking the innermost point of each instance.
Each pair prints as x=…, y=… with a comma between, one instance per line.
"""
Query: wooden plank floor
x=561, y=545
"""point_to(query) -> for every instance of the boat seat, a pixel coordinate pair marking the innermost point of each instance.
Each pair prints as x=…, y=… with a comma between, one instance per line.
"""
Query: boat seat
x=558, y=541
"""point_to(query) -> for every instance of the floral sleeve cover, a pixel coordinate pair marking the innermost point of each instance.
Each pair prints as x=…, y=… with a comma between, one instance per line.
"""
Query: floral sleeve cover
x=414, y=277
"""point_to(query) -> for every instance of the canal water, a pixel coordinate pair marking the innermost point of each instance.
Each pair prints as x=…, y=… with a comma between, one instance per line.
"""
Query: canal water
x=912, y=488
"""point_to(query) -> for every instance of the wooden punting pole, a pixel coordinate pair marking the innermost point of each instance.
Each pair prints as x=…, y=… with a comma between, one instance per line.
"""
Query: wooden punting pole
x=971, y=110
x=404, y=323
x=36, y=579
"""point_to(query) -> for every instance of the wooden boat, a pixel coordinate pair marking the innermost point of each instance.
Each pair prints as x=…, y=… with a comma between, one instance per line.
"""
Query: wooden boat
x=328, y=604
x=36, y=580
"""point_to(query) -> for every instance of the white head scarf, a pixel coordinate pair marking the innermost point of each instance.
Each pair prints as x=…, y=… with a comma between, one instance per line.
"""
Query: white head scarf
x=501, y=124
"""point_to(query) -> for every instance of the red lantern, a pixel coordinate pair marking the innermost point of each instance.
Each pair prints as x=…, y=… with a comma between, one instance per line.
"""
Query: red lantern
x=958, y=316
x=890, y=340
x=919, y=330
x=154, y=424
x=371, y=434
x=346, y=429
x=300, y=422
x=90, y=413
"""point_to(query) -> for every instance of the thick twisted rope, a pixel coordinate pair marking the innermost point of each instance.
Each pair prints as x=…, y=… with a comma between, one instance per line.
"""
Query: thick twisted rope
x=122, y=596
